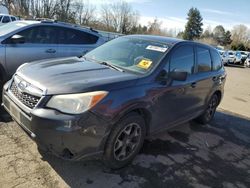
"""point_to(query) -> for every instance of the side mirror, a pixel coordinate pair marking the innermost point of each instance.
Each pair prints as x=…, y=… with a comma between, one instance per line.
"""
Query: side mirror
x=178, y=75
x=17, y=39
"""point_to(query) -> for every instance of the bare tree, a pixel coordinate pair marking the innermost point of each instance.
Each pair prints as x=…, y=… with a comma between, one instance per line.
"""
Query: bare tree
x=240, y=34
x=155, y=27
x=119, y=17
x=85, y=12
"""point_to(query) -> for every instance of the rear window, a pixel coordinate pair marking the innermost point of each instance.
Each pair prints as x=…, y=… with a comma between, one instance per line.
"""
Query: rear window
x=203, y=59
x=13, y=18
x=217, y=63
x=71, y=36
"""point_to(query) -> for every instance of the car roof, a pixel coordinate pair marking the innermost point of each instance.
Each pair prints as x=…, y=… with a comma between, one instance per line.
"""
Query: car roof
x=51, y=22
x=167, y=40
x=6, y=15
x=162, y=39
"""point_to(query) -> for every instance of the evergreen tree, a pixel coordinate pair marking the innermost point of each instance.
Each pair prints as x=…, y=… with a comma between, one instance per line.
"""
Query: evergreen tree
x=219, y=34
x=193, y=29
x=227, y=38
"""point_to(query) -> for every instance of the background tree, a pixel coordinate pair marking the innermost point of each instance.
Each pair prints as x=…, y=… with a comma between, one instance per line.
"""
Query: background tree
x=227, y=38
x=155, y=27
x=119, y=17
x=85, y=12
x=219, y=34
x=193, y=28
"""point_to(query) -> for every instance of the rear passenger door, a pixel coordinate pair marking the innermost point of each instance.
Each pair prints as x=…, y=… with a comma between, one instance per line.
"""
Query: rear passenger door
x=40, y=43
x=73, y=42
x=204, y=75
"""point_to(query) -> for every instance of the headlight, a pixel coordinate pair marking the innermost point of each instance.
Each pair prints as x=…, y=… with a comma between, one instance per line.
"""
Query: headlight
x=76, y=103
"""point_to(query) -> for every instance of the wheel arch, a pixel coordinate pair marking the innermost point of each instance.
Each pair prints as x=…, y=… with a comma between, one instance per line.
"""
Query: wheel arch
x=219, y=95
x=138, y=109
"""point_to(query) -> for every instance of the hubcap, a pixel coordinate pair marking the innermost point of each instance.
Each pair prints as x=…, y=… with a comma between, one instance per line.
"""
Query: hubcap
x=127, y=141
x=211, y=108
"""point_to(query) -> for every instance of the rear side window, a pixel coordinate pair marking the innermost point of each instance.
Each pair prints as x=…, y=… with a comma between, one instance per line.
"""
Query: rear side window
x=217, y=63
x=203, y=60
x=13, y=18
x=183, y=59
x=71, y=36
x=6, y=19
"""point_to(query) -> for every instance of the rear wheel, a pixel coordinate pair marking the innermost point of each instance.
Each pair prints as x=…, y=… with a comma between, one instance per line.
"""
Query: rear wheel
x=208, y=115
x=125, y=141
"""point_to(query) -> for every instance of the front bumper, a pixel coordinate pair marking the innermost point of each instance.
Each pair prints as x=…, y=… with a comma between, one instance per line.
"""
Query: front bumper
x=71, y=137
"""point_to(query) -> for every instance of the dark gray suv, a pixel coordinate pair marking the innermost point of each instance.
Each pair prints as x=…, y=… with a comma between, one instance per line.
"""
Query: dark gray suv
x=106, y=103
x=25, y=41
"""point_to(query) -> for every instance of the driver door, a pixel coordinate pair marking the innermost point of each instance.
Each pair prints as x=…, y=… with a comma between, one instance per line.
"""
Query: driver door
x=176, y=100
x=40, y=43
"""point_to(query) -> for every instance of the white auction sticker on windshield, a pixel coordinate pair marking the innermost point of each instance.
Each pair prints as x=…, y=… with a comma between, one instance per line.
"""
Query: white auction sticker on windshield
x=156, y=48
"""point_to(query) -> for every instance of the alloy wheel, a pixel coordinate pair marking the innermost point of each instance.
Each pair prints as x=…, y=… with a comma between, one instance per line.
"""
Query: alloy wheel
x=127, y=141
x=211, y=108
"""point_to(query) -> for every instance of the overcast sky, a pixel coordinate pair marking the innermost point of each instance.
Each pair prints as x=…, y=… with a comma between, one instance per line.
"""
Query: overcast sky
x=173, y=13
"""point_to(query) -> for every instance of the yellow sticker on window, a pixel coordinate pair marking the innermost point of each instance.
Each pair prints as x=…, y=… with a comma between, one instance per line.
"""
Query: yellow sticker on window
x=144, y=64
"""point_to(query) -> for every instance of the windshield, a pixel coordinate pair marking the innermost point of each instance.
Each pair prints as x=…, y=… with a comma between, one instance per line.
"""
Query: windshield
x=243, y=53
x=136, y=55
x=11, y=26
x=230, y=53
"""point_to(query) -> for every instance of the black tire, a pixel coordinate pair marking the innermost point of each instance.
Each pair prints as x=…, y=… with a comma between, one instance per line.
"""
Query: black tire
x=120, y=141
x=208, y=114
x=1, y=91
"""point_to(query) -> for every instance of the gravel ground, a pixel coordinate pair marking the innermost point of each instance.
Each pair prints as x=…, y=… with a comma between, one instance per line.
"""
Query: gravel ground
x=190, y=155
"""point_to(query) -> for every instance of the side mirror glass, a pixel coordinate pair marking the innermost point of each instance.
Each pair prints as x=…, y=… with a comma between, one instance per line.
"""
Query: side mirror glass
x=17, y=39
x=178, y=75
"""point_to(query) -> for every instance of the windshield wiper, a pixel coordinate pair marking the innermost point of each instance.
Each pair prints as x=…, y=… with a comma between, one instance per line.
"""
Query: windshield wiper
x=111, y=66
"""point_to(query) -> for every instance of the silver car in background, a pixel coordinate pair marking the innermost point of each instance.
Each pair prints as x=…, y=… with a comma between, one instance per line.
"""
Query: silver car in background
x=26, y=41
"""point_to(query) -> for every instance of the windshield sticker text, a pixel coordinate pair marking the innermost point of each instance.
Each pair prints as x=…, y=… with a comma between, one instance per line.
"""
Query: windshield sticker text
x=156, y=48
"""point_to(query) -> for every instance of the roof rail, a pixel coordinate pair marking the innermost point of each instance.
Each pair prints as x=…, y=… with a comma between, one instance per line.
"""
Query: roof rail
x=76, y=25
x=46, y=20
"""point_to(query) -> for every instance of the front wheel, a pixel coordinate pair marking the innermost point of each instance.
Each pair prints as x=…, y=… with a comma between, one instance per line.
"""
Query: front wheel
x=125, y=141
x=208, y=115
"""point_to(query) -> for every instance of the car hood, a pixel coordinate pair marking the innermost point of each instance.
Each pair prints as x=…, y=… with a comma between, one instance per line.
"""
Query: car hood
x=74, y=75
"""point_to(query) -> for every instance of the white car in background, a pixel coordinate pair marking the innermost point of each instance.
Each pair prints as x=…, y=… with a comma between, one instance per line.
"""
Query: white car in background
x=228, y=57
x=247, y=62
x=244, y=55
x=6, y=18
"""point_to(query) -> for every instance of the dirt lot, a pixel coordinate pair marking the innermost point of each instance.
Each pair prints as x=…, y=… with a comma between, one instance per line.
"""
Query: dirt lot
x=190, y=155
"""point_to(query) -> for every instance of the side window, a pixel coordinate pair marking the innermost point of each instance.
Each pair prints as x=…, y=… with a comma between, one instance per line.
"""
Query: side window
x=13, y=18
x=40, y=35
x=203, y=60
x=71, y=36
x=6, y=19
x=217, y=62
x=183, y=59
x=1, y=18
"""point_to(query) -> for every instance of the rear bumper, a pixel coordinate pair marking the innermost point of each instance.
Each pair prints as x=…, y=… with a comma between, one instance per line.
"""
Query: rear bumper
x=71, y=137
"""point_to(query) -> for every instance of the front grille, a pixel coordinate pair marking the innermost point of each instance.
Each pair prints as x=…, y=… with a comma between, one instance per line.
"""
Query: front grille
x=25, y=98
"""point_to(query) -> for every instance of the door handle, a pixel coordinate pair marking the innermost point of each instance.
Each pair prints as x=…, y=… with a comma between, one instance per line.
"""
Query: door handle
x=51, y=51
x=193, y=85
